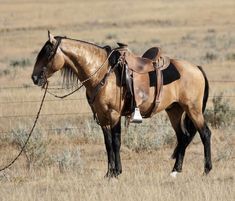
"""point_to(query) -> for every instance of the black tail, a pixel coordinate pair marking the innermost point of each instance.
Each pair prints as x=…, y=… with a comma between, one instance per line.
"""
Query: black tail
x=206, y=90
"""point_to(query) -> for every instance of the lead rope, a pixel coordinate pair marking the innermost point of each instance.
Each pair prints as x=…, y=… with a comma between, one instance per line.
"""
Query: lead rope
x=40, y=108
x=64, y=96
x=30, y=133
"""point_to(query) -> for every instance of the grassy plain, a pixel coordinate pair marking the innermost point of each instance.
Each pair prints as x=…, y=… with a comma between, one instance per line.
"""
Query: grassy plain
x=202, y=32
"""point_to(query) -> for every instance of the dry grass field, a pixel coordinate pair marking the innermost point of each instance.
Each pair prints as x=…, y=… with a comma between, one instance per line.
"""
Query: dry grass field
x=66, y=158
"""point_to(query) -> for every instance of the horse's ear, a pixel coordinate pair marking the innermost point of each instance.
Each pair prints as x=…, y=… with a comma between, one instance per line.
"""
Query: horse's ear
x=122, y=45
x=51, y=38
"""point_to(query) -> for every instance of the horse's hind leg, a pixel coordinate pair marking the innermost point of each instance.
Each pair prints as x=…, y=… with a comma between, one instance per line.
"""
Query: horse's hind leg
x=188, y=132
x=184, y=133
x=205, y=134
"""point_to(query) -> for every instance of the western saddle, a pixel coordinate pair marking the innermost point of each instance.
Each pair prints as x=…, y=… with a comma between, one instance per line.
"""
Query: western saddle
x=138, y=70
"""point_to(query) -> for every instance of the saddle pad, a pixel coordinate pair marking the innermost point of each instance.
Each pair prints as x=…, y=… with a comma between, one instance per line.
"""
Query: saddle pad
x=170, y=74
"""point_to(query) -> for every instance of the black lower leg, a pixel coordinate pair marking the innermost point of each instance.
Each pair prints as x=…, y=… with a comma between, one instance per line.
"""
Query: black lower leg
x=180, y=151
x=205, y=135
x=110, y=152
x=184, y=139
x=116, y=143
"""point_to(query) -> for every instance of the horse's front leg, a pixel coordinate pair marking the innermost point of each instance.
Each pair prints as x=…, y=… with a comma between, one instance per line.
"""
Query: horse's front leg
x=112, y=138
x=110, y=153
x=116, y=142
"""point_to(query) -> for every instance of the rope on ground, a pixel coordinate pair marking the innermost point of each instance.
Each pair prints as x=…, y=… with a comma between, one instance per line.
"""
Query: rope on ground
x=30, y=134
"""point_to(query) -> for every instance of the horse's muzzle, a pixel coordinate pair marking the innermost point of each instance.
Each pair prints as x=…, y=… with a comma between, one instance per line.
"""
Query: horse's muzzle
x=35, y=79
x=38, y=80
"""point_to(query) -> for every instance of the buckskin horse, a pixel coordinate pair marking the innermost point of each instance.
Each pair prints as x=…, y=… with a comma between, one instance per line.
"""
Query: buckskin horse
x=98, y=68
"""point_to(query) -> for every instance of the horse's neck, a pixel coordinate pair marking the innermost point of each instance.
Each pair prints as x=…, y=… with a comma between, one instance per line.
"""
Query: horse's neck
x=84, y=59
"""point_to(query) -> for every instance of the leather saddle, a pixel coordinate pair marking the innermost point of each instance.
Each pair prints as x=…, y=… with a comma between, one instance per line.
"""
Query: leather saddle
x=150, y=61
x=140, y=70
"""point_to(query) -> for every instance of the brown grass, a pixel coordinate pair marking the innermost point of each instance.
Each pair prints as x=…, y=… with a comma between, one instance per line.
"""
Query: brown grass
x=202, y=32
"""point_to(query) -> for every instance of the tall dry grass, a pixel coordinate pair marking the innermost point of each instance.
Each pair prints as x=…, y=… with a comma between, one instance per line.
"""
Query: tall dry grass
x=145, y=177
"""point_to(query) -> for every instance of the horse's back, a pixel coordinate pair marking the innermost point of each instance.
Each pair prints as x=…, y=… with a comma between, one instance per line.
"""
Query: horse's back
x=190, y=73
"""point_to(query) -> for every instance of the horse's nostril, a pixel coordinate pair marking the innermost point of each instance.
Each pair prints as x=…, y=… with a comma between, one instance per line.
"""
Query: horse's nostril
x=35, y=79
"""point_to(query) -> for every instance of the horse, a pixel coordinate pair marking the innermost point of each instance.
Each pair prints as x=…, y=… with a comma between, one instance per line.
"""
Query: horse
x=184, y=100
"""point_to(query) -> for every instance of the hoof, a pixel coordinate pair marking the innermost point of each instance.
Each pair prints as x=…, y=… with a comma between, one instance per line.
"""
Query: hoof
x=207, y=169
x=173, y=174
x=109, y=175
x=112, y=174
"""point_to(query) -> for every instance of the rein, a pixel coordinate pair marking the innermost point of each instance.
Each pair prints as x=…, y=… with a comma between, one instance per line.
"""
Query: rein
x=89, y=77
x=30, y=133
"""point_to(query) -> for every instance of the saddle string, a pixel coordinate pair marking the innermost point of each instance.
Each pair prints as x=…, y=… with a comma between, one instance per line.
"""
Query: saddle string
x=121, y=88
x=30, y=133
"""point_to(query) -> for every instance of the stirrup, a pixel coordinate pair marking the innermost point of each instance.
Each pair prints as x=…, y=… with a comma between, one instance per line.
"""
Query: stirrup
x=136, y=116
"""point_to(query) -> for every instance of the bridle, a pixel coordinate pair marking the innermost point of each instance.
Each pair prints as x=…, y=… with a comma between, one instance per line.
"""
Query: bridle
x=55, y=47
x=50, y=58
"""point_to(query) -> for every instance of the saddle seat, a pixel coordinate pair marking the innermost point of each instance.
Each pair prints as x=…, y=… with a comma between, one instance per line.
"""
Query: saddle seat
x=151, y=60
x=153, y=53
